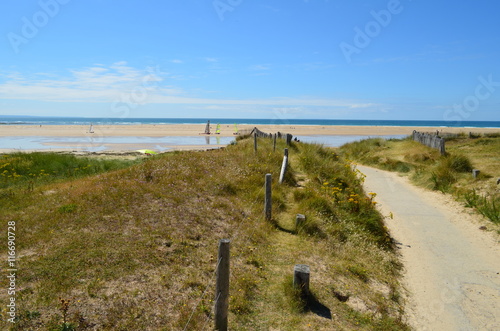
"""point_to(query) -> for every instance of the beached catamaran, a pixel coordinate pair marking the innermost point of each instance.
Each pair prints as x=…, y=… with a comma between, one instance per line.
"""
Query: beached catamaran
x=235, y=129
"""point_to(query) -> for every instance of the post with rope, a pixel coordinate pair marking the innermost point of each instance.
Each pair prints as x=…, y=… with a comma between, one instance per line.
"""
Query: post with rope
x=222, y=286
x=267, y=201
x=284, y=166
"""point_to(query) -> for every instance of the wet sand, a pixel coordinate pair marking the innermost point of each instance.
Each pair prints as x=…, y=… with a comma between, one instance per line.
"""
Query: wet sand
x=113, y=137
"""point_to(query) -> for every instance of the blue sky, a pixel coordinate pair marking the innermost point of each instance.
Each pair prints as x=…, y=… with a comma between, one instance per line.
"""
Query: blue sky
x=407, y=59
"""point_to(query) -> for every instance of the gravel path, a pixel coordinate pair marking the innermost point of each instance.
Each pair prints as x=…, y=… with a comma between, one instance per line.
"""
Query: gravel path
x=451, y=266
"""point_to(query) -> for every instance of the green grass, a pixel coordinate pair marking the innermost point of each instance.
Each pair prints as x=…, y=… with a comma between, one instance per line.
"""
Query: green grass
x=29, y=169
x=134, y=247
x=449, y=174
x=487, y=205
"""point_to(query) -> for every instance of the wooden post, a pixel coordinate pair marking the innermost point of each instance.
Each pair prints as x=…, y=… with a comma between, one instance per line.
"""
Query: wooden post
x=267, y=202
x=301, y=273
x=299, y=221
x=288, y=139
x=255, y=142
x=274, y=143
x=222, y=286
x=475, y=173
x=284, y=166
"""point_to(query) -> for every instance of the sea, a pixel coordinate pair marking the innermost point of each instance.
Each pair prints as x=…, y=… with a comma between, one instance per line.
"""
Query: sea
x=39, y=120
x=162, y=144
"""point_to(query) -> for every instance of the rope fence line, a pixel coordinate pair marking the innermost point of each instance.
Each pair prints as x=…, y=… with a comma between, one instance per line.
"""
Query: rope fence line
x=258, y=200
x=212, y=278
x=203, y=294
x=211, y=312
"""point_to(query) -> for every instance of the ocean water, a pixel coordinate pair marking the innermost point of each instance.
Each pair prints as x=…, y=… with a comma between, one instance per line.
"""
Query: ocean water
x=35, y=120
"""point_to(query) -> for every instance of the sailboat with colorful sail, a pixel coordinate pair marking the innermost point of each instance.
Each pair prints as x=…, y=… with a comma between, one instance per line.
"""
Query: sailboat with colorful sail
x=207, y=128
x=235, y=129
x=217, y=130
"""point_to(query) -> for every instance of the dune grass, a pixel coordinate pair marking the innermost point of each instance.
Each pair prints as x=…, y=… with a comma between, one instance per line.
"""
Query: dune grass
x=451, y=173
x=135, y=248
x=29, y=169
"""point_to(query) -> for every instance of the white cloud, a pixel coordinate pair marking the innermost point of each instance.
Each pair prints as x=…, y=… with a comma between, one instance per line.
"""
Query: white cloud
x=92, y=84
x=100, y=83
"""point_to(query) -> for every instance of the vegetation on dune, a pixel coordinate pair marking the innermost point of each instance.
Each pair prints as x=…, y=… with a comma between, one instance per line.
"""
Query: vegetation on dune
x=451, y=173
x=30, y=169
x=135, y=247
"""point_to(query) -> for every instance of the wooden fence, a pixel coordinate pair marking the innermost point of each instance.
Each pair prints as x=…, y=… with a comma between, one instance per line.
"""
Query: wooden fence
x=259, y=134
x=431, y=140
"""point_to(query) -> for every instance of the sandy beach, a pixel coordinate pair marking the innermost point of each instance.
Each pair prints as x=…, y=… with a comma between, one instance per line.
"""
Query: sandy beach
x=185, y=136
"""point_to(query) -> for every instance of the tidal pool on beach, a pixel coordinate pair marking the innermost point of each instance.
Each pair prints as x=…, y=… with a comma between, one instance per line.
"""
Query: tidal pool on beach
x=102, y=143
x=130, y=143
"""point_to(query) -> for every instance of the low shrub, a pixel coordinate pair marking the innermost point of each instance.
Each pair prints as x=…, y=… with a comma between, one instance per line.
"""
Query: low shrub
x=458, y=163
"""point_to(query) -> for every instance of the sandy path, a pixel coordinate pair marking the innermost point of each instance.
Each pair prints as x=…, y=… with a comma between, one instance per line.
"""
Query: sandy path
x=452, y=267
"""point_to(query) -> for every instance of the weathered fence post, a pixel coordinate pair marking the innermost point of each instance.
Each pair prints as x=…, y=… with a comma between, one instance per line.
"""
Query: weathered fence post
x=288, y=139
x=300, y=219
x=274, y=143
x=267, y=201
x=284, y=166
x=475, y=173
x=433, y=141
x=301, y=273
x=255, y=142
x=222, y=286
x=442, y=149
